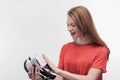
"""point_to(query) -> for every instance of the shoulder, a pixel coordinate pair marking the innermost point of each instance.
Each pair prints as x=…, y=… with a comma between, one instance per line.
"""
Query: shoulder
x=67, y=44
x=102, y=51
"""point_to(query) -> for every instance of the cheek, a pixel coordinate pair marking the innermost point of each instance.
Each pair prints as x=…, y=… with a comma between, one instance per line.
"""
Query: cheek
x=79, y=33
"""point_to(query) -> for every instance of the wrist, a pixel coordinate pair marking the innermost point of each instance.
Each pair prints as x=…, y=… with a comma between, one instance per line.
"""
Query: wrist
x=57, y=71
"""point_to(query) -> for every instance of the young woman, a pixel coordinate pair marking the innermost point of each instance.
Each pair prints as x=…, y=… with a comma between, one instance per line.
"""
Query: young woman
x=85, y=58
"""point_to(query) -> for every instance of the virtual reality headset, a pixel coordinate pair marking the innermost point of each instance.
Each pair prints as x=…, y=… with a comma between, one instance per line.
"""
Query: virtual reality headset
x=44, y=73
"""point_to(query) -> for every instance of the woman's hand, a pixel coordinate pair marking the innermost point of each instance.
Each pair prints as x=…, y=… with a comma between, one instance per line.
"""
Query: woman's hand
x=51, y=65
x=34, y=73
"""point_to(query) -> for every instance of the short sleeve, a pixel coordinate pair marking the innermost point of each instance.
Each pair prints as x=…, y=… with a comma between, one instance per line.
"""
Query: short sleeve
x=100, y=60
x=61, y=59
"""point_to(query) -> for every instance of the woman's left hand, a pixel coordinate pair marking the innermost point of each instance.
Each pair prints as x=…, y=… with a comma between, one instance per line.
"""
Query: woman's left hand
x=51, y=65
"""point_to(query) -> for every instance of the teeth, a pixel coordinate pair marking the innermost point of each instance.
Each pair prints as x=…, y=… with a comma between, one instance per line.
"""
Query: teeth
x=73, y=33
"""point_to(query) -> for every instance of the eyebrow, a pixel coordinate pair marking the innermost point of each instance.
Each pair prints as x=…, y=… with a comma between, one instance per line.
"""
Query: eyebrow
x=70, y=23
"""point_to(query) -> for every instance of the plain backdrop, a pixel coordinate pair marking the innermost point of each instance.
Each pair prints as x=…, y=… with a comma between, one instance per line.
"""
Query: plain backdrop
x=34, y=27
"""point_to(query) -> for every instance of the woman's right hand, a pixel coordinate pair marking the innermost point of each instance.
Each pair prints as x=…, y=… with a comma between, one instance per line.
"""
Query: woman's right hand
x=34, y=73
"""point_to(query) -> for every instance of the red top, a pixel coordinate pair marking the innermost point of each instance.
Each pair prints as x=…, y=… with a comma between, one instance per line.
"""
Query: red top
x=80, y=58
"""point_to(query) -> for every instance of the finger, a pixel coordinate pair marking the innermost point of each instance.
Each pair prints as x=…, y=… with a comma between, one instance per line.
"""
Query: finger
x=30, y=75
x=37, y=71
x=30, y=72
x=33, y=73
x=37, y=74
x=38, y=77
x=33, y=70
x=45, y=58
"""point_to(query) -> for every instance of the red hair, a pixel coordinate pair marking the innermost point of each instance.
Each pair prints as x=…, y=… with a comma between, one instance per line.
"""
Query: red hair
x=83, y=19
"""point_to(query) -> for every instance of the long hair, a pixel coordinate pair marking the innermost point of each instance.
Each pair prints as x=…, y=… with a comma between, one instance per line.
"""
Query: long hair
x=83, y=20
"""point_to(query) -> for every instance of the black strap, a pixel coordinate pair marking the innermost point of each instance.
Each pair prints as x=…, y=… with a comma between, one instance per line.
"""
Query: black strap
x=47, y=74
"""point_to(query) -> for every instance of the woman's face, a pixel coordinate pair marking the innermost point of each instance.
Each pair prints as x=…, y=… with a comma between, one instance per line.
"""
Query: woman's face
x=73, y=29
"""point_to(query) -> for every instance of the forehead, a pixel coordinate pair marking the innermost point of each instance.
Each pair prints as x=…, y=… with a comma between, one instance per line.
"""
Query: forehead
x=69, y=20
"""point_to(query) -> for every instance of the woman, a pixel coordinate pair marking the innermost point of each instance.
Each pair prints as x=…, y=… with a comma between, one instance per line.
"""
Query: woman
x=86, y=57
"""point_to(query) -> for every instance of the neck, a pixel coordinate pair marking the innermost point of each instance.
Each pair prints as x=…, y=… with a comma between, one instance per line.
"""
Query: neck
x=84, y=40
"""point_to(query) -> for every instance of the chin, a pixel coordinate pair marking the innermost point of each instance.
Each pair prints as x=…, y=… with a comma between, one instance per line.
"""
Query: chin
x=74, y=37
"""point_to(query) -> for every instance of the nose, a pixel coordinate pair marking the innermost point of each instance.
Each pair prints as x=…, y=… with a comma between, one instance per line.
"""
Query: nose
x=70, y=28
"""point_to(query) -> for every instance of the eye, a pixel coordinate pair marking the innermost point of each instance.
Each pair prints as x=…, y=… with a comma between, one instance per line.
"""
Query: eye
x=73, y=25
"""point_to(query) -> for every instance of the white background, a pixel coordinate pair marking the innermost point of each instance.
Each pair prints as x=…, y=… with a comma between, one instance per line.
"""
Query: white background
x=33, y=27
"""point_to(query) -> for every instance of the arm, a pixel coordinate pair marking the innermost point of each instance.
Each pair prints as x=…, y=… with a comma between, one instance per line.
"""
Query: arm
x=58, y=78
x=93, y=74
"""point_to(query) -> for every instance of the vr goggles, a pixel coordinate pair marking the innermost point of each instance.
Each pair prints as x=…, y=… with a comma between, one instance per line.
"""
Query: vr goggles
x=44, y=73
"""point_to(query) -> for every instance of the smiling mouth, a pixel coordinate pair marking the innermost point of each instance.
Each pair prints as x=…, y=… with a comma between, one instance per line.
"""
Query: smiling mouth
x=73, y=33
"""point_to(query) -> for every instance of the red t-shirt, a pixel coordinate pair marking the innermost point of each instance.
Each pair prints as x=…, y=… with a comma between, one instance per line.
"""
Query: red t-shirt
x=80, y=58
